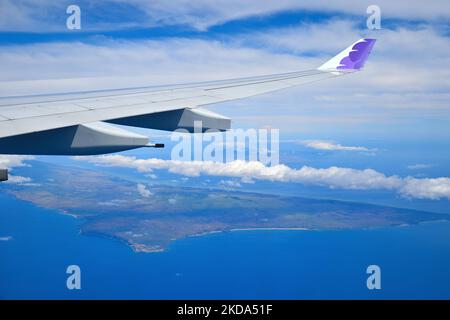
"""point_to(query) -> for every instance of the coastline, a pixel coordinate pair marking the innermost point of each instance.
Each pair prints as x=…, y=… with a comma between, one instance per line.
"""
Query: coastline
x=137, y=247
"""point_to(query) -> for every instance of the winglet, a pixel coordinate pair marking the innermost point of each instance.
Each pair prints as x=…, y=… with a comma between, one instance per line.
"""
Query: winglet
x=350, y=59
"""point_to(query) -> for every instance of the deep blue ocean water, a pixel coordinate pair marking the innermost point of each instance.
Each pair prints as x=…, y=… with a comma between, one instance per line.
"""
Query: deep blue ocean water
x=414, y=261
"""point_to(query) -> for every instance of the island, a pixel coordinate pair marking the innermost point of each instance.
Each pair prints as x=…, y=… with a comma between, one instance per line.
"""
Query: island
x=110, y=205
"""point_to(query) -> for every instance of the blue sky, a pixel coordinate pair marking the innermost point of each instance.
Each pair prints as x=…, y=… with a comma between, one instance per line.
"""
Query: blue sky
x=399, y=102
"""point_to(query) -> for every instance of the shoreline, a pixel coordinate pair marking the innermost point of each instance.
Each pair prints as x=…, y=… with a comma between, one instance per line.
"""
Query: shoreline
x=148, y=249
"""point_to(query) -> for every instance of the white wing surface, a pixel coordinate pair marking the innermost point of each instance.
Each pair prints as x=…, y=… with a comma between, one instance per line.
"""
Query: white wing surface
x=83, y=122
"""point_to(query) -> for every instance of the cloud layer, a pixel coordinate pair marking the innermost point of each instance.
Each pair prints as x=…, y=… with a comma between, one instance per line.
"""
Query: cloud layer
x=332, y=177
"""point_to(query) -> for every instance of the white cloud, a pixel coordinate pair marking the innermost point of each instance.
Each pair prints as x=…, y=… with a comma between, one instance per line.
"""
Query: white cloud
x=332, y=177
x=331, y=146
x=419, y=166
x=128, y=63
x=7, y=238
x=11, y=161
x=434, y=189
x=112, y=203
x=18, y=180
x=230, y=183
x=307, y=37
x=143, y=191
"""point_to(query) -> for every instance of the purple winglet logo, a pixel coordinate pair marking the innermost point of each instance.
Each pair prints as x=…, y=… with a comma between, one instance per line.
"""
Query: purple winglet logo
x=357, y=56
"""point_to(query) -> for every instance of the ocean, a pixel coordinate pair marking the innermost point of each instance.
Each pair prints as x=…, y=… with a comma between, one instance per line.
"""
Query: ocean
x=37, y=245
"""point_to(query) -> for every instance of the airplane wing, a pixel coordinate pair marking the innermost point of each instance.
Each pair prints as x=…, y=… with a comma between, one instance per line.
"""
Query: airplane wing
x=82, y=123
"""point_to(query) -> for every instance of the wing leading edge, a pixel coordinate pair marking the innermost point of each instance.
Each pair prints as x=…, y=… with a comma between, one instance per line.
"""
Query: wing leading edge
x=68, y=123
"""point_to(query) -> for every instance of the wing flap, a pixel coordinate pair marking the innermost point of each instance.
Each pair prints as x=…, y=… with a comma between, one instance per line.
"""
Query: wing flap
x=84, y=139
